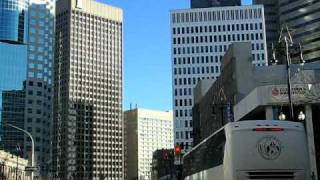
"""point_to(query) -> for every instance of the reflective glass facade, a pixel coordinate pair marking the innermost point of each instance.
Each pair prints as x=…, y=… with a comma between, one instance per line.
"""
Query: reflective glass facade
x=14, y=21
x=13, y=63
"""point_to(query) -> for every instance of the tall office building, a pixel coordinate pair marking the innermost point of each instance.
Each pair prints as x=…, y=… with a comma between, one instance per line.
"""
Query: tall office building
x=145, y=132
x=13, y=113
x=38, y=100
x=303, y=18
x=200, y=37
x=14, y=21
x=214, y=3
x=87, y=112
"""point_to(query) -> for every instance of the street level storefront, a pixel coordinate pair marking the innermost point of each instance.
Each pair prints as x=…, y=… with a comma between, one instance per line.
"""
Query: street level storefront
x=270, y=101
x=12, y=167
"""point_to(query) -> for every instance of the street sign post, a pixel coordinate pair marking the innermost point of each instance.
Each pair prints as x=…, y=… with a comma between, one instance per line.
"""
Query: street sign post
x=32, y=169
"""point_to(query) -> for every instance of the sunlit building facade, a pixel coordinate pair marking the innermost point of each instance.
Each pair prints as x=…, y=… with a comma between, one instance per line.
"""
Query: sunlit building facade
x=87, y=112
x=145, y=132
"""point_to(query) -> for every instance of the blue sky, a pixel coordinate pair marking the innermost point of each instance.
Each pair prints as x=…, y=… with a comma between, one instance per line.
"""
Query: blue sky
x=147, y=63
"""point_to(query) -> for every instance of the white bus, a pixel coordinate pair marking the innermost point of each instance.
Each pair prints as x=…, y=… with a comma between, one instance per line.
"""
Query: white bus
x=257, y=150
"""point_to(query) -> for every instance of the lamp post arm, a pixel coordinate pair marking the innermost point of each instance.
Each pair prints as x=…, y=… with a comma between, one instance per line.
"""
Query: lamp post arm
x=32, y=150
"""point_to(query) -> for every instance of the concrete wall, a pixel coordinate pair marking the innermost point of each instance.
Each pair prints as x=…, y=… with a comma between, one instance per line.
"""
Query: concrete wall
x=131, y=144
x=211, y=112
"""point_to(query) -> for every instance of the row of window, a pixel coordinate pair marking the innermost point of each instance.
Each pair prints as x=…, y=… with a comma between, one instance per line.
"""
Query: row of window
x=41, y=58
x=83, y=15
x=218, y=38
x=197, y=70
x=217, y=15
x=189, y=81
x=184, y=134
x=197, y=59
x=183, y=102
x=217, y=28
x=209, y=49
x=183, y=113
x=183, y=92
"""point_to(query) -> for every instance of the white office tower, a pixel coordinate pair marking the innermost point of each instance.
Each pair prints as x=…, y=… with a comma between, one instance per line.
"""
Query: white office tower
x=38, y=100
x=200, y=38
x=145, y=132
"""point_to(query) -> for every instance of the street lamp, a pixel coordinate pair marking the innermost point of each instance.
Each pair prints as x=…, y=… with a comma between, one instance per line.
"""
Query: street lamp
x=286, y=38
x=282, y=116
x=288, y=42
x=301, y=116
x=32, y=149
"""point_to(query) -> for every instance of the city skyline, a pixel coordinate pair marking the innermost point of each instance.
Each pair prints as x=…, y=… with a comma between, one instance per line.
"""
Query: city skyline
x=91, y=89
x=141, y=60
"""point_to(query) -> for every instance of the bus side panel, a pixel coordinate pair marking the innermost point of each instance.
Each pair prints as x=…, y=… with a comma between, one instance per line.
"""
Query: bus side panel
x=215, y=173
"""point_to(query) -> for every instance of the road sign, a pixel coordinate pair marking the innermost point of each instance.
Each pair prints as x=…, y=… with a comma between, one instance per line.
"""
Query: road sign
x=30, y=168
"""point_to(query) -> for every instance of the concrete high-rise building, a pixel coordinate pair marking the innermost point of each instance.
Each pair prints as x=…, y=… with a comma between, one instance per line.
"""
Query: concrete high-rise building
x=13, y=113
x=214, y=3
x=145, y=132
x=87, y=112
x=14, y=21
x=38, y=100
x=200, y=38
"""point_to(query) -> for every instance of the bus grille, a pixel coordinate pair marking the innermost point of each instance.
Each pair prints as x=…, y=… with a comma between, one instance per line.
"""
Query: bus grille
x=270, y=175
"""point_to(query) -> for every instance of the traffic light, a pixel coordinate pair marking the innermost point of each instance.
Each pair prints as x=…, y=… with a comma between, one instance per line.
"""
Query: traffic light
x=177, y=150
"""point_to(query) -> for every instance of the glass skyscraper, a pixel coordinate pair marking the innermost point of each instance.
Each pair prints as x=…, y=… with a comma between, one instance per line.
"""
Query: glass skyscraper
x=14, y=21
x=12, y=74
x=13, y=67
x=38, y=96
